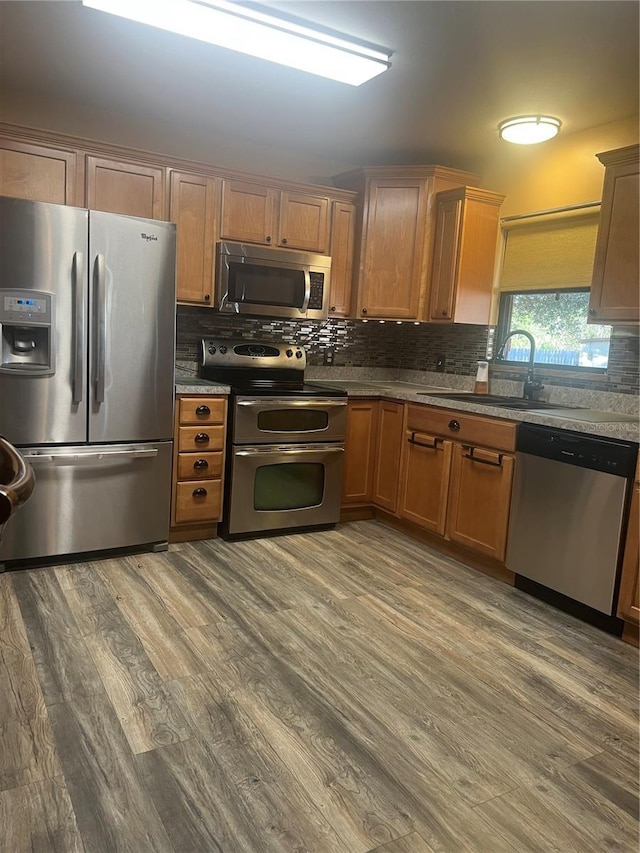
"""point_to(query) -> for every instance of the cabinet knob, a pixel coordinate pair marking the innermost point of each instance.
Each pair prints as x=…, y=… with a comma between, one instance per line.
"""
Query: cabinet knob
x=203, y=410
x=207, y=297
x=592, y=312
x=284, y=241
x=364, y=310
x=199, y=493
x=267, y=239
x=200, y=464
x=444, y=312
x=333, y=308
x=201, y=438
x=454, y=425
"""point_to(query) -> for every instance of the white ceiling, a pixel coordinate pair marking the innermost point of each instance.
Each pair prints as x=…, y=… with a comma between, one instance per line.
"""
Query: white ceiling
x=457, y=69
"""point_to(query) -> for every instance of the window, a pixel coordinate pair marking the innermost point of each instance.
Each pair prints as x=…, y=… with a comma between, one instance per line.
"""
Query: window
x=544, y=289
x=558, y=322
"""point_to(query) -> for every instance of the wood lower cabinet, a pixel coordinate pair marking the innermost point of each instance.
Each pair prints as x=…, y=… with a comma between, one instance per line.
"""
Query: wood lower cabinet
x=425, y=482
x=192, y=208
x=130, y=188
x=388, y=449
x=457, y=473
x=615, y=294
x=629, y=598
x=360, y=442
x=39, y=173
x=479, y=499
x=464, y=255
x=198, y=466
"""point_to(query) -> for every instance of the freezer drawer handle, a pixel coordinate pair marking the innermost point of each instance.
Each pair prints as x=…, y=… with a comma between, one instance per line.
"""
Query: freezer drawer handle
x=203, y=410
x=78, y=326
x=102, y=456
x=200, y=464
x=199, y=493
x=201, y=438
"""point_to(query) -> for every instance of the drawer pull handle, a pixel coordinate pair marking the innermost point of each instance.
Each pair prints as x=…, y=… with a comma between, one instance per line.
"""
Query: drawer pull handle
x=454, y=425
x=203, y=410
x=470, y=454
x=200, y=464
x=430, y=444
x=200, y=493
x=201, y=438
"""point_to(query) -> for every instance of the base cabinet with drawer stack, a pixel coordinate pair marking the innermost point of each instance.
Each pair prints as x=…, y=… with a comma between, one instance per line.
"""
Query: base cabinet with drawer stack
x=198, y=469
x=457, y=472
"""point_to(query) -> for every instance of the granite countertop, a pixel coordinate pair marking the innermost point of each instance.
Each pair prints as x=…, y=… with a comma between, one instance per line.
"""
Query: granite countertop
x=413, y=392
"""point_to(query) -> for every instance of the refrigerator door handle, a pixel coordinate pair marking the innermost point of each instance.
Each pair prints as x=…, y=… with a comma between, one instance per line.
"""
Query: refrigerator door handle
x=100, y=293
x=90, y=458
x=77, y=272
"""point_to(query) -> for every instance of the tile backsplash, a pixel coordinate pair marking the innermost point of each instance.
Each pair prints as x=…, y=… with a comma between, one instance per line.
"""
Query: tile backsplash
x=402, y=346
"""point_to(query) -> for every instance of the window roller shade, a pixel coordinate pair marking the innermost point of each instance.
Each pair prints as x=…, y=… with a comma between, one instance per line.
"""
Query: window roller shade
x=549, y=252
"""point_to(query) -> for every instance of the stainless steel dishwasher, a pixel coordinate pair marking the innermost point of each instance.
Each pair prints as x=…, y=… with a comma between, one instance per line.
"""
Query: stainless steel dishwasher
x=569, y=510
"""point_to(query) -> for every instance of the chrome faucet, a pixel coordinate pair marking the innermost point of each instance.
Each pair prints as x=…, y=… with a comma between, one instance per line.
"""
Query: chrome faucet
x=531, y=386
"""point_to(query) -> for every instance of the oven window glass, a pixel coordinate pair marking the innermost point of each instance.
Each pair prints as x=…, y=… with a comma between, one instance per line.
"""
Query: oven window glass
x=292, y=420
x=288, y=485
x=263, y=285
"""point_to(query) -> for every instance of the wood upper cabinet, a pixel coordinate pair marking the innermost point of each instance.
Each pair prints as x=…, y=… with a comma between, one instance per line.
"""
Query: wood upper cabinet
x=39, y=173
x=629, y=599
x=615, y=292
x=257, y=213
x=130, y=188
x=479, y=499
x=192, y=208
x=360, y=443
x=395, y=239
x=464, y=255
x=387, y=455
x=342, y=246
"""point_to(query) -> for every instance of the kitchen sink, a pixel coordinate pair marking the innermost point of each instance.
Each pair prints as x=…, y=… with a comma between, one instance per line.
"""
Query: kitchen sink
x=501, y=402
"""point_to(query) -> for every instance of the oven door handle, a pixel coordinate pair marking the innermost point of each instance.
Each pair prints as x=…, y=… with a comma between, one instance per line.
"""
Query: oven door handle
x=290, y=449
x=298, y=404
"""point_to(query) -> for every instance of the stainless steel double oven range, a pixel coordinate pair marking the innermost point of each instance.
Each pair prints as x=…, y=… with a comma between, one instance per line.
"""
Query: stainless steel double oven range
x=285, y=448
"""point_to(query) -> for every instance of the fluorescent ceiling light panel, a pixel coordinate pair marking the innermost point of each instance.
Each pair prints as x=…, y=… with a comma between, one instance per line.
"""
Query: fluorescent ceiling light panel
x=256, y=33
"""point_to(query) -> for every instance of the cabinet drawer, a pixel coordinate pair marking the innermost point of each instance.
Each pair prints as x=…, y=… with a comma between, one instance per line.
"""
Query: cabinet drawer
x=198, y=500
x=201, y=410
x=200, y=438
x=199, y=465
x=462, y=426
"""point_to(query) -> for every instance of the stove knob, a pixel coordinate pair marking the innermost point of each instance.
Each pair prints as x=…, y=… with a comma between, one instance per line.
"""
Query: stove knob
x=289, y=353
x=299, y=354
x=223, y=350
x=211, y=349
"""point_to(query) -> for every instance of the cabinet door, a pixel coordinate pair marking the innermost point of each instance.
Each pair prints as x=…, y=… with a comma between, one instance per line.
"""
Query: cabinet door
x=445, y=260
x=615, y=296
x=132, y=189
x=248, y=212
x=387, y=456
x=304, y=222
x=342, y=242
x=425, y=480
x=478, y=513
x=357, y=481
x=392, y=268
x=38, y=173
x=629, y=600
x=192, y=200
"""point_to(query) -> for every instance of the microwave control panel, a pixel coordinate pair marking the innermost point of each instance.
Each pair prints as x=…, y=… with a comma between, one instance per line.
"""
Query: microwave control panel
x=316, y=290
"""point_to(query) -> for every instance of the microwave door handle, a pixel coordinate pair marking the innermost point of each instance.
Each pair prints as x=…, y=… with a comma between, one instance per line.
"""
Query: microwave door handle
x=307, y=291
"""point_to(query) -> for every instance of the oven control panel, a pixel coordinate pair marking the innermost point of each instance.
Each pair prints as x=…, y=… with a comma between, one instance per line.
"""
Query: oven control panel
x=253, y=355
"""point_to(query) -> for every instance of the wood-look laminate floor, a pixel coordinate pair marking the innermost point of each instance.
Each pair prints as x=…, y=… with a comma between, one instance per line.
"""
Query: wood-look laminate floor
x=335, y=692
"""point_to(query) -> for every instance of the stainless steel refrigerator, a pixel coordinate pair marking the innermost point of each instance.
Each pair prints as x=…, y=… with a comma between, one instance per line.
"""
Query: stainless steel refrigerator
x=87, y=337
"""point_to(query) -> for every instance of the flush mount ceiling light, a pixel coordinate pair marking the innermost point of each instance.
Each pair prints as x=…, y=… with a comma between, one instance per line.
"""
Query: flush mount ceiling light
x=248, y=29
x=527, y=130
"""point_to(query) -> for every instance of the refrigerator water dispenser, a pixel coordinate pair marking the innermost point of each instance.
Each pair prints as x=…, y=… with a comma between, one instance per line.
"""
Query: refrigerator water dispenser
x=26, y=332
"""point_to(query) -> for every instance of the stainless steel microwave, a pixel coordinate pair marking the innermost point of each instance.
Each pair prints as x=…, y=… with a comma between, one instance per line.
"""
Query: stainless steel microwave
x=270, y=282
